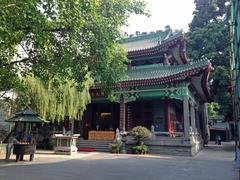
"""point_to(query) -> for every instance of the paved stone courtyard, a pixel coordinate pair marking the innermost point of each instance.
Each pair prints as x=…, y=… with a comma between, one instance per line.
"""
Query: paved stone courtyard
x=212, y=163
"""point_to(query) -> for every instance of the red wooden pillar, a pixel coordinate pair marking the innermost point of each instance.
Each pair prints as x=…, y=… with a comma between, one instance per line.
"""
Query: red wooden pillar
x=129, y=118
x=122, y=119
x=167, y=116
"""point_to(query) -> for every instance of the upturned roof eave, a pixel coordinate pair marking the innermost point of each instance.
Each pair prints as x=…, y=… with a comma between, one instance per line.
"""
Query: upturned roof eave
x=182, y=76
x=163, y=80
x=155, y=49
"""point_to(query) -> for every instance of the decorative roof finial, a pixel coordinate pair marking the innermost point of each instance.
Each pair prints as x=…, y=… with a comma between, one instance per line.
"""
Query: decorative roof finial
x=165, y=59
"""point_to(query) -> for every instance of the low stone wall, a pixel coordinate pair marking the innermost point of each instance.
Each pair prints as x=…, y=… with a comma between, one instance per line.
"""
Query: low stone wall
x=171, y=146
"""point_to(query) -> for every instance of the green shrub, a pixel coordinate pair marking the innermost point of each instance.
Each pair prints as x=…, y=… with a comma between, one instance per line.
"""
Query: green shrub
x=142, y=149
x=115, y=147
x=140, y=133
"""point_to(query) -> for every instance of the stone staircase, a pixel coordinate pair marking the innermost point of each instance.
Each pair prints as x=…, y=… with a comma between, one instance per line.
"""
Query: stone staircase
x=91, y=145
x=171, y=150
x=171, y=146
x=160, y=145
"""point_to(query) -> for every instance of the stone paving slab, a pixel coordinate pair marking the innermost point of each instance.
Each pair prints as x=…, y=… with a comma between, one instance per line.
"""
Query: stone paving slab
x=41, y=157
x=212, y=163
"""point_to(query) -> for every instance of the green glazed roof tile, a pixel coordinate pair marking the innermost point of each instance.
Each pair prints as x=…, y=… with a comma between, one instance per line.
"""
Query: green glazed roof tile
x=145, y=41
x=160, y=71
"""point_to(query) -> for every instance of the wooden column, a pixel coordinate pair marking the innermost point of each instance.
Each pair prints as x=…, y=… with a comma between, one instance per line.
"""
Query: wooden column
x=193, y=118
x=122, y=119
x=112, y=115
x=197, y=119
x=129, y=118
x=186, y=116
x=205, y=120
x=166, y=116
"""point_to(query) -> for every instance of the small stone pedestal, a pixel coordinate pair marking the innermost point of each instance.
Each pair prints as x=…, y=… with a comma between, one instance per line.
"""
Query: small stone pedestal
x=123, y=150
x=65, y=144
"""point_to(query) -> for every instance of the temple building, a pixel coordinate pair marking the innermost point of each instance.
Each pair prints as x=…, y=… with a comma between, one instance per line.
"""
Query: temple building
x=164, y=90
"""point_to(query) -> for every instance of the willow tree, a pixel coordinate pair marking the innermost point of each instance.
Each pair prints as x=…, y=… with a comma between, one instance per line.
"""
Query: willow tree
x=55, y=102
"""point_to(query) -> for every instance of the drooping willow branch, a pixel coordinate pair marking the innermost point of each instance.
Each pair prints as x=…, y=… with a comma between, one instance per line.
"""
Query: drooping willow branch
x=55, y=103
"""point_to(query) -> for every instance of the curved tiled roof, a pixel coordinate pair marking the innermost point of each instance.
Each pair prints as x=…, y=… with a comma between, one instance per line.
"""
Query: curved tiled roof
x=162, y=74
x=149, y=40
x=150, y=51
x=158, y=74
x=161, y=71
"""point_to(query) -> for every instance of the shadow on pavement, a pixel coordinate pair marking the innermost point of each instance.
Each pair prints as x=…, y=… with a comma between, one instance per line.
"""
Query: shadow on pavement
x=225, y=146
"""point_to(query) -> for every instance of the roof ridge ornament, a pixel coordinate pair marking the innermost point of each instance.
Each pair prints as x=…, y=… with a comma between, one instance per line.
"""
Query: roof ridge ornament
x=166, y=59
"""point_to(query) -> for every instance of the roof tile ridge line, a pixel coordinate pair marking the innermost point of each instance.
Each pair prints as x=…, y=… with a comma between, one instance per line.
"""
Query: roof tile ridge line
x=162, y=78
x=163, y=67
x=158, y=46
x=144, y=36
x=173, y=37
x=174, y=73
x=140, y=37
x=155, y=35
x=192, y=64
x=147, y=66
x=150, y=47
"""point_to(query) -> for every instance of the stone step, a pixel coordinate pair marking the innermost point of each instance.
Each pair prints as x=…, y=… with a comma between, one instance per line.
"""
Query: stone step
x=101, y=146
x=178, y=149
x=166, y=150
x=93, y=143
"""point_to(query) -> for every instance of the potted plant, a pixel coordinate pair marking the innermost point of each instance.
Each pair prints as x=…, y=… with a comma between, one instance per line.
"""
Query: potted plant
x=140, y=133
x=141, y=149
x=115, y=147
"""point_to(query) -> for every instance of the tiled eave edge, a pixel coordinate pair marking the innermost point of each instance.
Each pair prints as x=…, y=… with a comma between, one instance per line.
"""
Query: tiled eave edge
x=156, y=49
x=165, y=80
x=204, y=85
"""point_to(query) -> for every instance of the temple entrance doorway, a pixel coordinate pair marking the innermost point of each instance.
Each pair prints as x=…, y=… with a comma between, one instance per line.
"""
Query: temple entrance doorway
x=105, y=116
x=100, y=117
x=141, y=114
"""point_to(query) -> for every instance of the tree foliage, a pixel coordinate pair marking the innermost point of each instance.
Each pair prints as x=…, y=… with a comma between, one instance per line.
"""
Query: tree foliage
x=210, y=42
x=56, y=102
x=60, y=42
x=65, y=38
x=206, y=12
x=208, y=37
x=213, y=109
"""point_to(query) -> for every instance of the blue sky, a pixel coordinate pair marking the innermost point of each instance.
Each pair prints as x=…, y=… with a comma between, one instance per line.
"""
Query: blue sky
x=176, y=13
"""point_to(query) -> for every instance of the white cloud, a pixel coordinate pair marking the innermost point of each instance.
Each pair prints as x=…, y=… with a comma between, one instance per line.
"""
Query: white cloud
x=176, y=13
